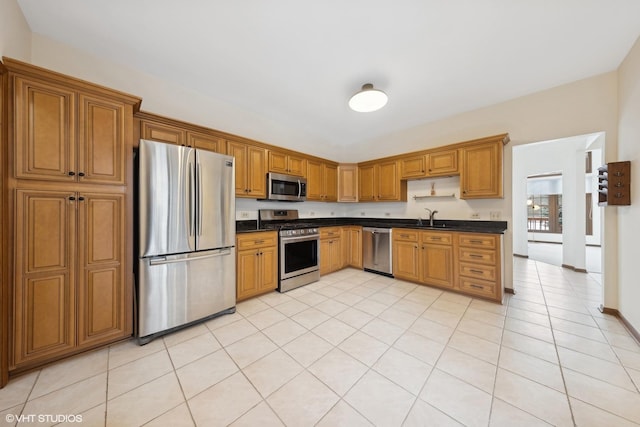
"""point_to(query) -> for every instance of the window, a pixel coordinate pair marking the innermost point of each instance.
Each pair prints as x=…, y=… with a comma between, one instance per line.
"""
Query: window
x=544, y=213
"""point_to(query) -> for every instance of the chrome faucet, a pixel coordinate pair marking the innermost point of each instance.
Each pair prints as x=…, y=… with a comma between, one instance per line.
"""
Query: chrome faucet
x=432, y=214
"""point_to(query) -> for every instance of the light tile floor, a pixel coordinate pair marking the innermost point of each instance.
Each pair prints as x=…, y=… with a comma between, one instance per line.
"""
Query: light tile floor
x=361, y=349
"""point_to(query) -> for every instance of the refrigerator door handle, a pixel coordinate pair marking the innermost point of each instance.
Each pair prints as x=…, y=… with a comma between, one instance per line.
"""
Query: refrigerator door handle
x=173, y=260
x=192, y=199
x=199, y=207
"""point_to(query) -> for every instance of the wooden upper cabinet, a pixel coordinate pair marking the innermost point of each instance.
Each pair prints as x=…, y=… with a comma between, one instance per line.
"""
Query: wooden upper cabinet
x=288, y=164
x=68, y=135
x=367, y=185
x=322, y=181
x=481, y=173
x=348, y=183
x=45, y=130
x=251, y=179
x=442, y=163
x=413, y=166
x=206, y=142
x=102, y=140
x=390, y=188
x=162, y=132
x=381, y=182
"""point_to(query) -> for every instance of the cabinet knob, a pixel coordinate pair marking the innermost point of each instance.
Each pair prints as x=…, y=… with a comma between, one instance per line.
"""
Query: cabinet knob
x=72, y=198
x=80, y=173
x=71, y=173
x=81, y=198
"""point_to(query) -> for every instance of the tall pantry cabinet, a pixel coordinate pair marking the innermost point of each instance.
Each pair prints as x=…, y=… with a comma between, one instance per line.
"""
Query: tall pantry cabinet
x=67, y=196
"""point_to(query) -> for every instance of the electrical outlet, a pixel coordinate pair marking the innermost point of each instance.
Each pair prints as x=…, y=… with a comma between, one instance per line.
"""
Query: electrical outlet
x=495, y=215
x=361, y=213
x=312, y=213
x=475, y=215
x=244, y=214
x=332, y=213
x=387, y=214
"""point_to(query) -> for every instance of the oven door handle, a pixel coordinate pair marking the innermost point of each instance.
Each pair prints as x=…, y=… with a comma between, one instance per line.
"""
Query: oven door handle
x=299, y=239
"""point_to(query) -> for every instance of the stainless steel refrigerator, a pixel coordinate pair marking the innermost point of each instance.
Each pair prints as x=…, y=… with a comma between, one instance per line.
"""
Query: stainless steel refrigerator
x=186, y=237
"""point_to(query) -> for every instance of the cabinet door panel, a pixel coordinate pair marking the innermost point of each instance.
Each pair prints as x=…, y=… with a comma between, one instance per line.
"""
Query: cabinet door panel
x=314, y=180
x=297, y=166
x=257, y=170
x=405, y=260
x=437, y=265
x=269, y=269
x=481, y=176
x=162, y=133
x=443, y=163
x=44, y=298
x=102, y=141
x=45, y=131
x=206, y=142
x=239, y=151
x=348, y=183
x=413, y=167
x=388, y=181
x=248, y=274
x=330, y=183
x=278, y=162
x=367, y=183
x=101, y=283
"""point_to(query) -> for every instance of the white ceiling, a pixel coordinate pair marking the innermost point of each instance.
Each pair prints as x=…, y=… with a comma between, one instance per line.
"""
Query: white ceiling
x=297, y=62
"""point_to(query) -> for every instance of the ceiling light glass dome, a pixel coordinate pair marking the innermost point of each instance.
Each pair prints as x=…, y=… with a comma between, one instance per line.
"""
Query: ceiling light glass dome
x=368, y=99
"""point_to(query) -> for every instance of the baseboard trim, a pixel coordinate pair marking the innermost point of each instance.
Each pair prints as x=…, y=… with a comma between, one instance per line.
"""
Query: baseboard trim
x=615, y=312
x=521, y=256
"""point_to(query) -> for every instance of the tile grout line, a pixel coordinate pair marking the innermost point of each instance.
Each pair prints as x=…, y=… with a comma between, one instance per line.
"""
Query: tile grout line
x=555, y=346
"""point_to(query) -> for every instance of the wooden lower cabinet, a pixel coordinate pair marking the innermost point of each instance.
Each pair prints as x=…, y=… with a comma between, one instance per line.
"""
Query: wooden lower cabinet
x=480, y=265
x=331, y=253
x=256, y=264
x=71, y=289
x=436, y=263
x=469, y=263
x=352, y=246
x=406, y=254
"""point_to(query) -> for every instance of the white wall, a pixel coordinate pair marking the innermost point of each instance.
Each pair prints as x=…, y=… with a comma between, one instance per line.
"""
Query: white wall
x=15, y=35
x=628, y=216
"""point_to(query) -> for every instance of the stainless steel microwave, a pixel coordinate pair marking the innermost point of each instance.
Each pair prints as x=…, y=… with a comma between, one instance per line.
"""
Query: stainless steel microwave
x=286, y=187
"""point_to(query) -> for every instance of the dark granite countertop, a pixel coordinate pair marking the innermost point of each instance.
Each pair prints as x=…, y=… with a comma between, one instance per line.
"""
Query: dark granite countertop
x=474, y=226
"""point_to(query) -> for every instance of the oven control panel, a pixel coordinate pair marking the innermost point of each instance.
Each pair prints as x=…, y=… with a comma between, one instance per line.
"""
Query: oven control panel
x=299, y=232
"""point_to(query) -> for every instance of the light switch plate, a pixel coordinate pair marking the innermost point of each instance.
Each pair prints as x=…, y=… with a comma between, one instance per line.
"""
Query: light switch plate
x=495, y=215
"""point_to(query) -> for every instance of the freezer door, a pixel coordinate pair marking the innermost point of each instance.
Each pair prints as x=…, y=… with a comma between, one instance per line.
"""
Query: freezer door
x=166, y=198
x=179, y=289
x=215, y=206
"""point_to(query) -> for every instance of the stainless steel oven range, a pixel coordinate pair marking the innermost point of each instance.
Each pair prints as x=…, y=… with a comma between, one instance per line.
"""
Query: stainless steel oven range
x=299, y=248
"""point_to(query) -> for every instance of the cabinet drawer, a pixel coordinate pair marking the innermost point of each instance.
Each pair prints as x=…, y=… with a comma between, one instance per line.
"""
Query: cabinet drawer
x=478, y=287
x=330, y=232
x=478, y=255
x=485, y=272
x=437, y=238
x=405, y=235
x=477, y=241
x=256, y=240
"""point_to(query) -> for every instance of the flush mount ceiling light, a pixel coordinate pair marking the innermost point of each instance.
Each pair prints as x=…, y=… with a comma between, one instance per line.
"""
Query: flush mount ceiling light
x=368, y=99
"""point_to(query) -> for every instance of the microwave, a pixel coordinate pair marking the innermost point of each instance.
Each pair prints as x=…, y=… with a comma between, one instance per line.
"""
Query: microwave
x=286, y=187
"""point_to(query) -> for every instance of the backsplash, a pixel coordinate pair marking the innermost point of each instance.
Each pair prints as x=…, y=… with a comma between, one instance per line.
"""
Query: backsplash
x=447, y=203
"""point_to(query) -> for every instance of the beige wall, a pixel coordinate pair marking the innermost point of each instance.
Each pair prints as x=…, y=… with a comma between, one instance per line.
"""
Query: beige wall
x=15, y=35
x=628, y=216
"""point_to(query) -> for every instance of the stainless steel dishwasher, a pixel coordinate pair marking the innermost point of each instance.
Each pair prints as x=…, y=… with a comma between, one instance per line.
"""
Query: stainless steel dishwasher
x=376, y=250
